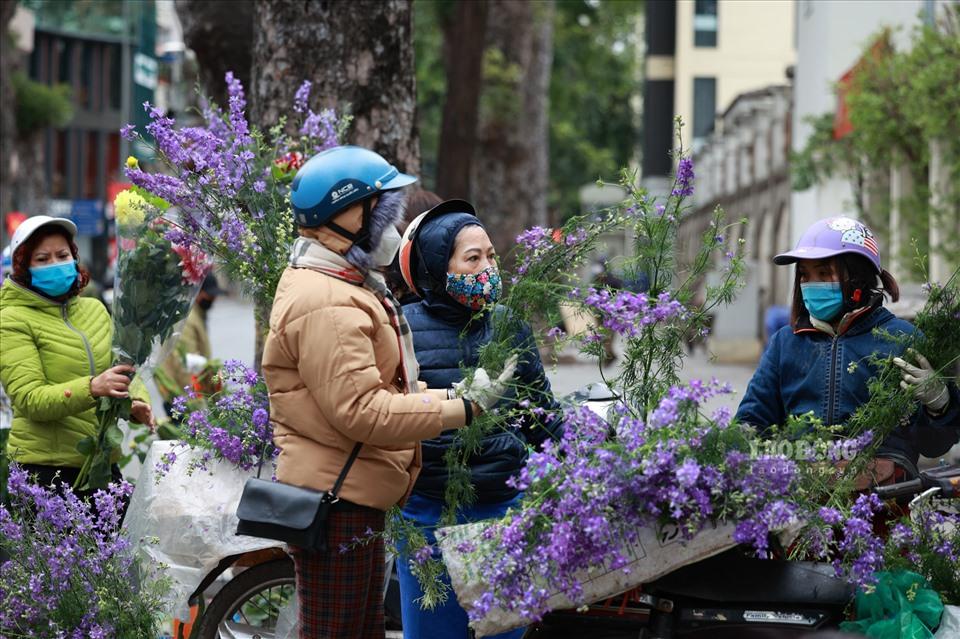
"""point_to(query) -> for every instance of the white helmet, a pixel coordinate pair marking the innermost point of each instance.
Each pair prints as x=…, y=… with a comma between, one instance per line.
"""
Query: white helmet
x=30, y=225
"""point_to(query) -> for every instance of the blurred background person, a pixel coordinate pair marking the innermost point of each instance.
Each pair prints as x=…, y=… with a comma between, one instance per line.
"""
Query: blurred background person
x=187, y=364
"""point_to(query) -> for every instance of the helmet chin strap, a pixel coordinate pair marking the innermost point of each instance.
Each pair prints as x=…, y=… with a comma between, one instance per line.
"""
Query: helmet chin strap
x=362, y=237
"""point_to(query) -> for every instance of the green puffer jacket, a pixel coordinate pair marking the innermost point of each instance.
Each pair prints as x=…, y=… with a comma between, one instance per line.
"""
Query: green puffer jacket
x=50, y=352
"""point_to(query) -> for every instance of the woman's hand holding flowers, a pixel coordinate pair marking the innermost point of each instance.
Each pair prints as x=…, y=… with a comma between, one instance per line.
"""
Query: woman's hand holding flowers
x=113, y=382
x=483, y=391
x=923, y=380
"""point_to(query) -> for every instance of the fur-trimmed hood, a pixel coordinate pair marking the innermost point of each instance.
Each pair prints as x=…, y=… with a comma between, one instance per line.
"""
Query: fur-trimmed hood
x=389, y=210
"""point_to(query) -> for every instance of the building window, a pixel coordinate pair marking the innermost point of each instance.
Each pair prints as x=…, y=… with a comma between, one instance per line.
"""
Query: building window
x=705, y=23
x=86, y=89
x=113, y=158
x=91, y=166
x=704, y=106
x=64, y=59
x=59, y=185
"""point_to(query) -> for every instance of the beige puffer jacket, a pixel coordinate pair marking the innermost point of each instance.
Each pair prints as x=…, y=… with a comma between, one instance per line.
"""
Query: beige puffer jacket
x=332, y=365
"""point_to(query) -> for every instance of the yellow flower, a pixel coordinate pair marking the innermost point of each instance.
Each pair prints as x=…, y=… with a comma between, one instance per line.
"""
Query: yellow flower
x=132, y=162
x=129, y=208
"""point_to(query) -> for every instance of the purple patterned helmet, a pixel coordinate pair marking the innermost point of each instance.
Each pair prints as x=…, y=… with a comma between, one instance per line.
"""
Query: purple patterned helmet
x=833, y=236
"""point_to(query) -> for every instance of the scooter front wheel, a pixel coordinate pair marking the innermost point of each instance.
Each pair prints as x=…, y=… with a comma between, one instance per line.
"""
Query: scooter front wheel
x=249, y=606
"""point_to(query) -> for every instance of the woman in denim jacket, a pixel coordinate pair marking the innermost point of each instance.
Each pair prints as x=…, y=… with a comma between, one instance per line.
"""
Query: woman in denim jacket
x=820, y=363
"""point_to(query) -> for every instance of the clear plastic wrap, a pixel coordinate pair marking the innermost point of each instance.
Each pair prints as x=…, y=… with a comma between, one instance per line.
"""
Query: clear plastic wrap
x=187, y=522
x=155, y=284
x=949, y=623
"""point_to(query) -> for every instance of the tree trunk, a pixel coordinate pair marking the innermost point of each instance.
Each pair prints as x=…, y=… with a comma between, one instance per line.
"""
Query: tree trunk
x=8, y=110
x=464, y=39
x=357, y=53
x=29, y=175
x=510, y=166
x=220, y=33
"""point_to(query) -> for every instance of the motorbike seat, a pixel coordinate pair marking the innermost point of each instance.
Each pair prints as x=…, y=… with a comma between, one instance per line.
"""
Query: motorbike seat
x=731, y=577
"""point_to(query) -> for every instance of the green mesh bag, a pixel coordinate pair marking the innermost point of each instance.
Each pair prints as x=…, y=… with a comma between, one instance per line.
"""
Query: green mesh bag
x=901, y=607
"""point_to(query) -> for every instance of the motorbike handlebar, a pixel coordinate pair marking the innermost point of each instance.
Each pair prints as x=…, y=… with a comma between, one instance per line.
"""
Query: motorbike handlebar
x=902, y=489
x=946, y=478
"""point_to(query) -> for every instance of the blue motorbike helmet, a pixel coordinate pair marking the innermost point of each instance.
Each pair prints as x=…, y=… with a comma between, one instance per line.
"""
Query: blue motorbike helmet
x=335, y=179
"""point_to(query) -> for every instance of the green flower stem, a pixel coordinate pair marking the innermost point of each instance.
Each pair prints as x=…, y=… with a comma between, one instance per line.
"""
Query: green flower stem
x=96, y=470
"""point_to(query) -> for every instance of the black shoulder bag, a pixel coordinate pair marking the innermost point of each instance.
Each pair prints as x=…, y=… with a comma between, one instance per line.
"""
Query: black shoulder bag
x=295, y=515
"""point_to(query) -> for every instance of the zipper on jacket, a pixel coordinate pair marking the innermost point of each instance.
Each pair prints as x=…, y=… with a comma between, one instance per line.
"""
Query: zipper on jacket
x=86, y=344
x=833, y=379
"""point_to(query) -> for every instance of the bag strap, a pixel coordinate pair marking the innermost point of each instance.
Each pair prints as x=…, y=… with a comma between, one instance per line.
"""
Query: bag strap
x=343, y=473
x=346, y=468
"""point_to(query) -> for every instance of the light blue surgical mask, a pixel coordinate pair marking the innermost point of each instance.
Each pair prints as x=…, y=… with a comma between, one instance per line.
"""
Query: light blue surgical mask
x=54, y=279
x=824, y=300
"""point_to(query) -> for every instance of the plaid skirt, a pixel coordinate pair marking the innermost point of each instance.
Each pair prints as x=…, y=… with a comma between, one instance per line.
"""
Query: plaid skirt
x=341, y=590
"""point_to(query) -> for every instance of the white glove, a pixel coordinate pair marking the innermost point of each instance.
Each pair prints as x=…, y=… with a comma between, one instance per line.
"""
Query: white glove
x=483, y=392
x=927, y=387
x=194, y=363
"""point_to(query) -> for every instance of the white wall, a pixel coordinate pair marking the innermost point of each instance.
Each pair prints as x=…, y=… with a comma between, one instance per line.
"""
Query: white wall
x=831, y=35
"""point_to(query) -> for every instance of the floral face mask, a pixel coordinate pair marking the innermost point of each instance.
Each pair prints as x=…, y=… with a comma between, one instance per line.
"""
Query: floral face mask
x=475, y=290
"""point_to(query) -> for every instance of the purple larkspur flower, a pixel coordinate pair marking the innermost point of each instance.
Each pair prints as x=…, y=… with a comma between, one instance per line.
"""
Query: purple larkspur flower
x=629, y=313
x=321, y=128
x=70, y=557
x=301, y=97
x=683, y=186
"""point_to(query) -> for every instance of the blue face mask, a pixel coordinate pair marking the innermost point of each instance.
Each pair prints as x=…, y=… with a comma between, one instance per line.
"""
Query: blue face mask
x=823, y=299
x=54, y=279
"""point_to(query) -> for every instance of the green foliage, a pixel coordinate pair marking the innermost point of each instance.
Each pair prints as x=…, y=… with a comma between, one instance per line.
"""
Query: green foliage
x=407, y=541
x=501, y=83
x=898, y=102
x=431, y=83
x=937, y=337
x=592, y=84
x=84, y=16
x=40, y=106
x=592, y=128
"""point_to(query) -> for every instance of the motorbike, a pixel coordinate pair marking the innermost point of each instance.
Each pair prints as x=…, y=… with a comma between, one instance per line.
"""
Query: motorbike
x=222, y=586
x=733, y=594
x=258, y=600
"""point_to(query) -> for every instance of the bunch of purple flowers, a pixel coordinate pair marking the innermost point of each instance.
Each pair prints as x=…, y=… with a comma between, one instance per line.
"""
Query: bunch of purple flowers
x=629, y=313
x=587, y=497
x=68, y=572
x=233, y=425
x=228, y=183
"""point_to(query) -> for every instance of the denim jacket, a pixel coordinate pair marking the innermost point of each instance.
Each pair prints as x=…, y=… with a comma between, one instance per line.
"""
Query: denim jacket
x=807, y=370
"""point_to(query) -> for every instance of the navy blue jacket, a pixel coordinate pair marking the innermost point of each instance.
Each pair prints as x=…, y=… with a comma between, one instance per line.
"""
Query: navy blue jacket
x=448, y=336
x=809, y=370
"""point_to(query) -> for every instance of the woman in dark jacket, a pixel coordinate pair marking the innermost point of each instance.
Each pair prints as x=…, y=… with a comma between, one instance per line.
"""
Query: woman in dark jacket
x=448, y=259
x=820, y=363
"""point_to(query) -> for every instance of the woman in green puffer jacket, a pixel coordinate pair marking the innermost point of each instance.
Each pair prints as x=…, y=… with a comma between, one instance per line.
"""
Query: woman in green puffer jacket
x=56, y=354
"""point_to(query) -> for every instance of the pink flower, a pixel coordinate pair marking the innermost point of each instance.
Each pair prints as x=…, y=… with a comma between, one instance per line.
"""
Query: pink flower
x=194, y=262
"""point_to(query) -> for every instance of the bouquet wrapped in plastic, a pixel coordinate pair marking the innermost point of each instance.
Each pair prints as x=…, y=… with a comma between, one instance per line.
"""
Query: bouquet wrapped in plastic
x=155, y=284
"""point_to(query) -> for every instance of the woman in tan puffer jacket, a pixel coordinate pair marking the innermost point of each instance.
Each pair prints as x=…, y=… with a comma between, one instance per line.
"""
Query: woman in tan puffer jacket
x=339, y=365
